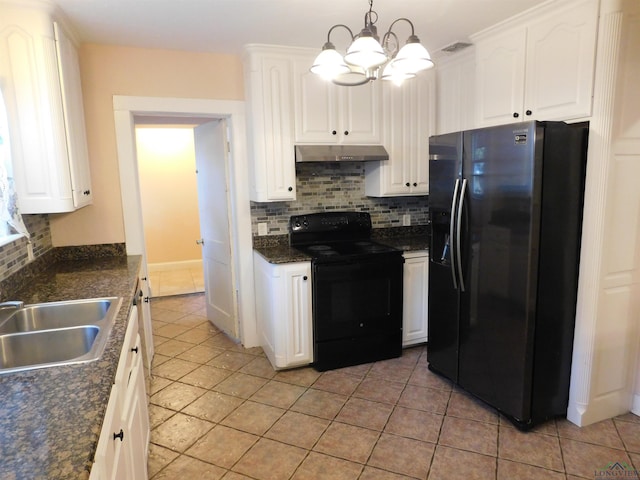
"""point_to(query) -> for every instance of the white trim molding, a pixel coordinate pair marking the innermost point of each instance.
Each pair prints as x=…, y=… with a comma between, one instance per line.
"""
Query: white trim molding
x=126, y=108
x=605, y=355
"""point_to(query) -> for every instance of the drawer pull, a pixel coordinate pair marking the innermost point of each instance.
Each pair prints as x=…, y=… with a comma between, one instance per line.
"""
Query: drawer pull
x=119, y=435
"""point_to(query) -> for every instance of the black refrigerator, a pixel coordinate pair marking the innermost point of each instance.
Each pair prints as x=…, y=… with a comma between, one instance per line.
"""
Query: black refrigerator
x=505, y=205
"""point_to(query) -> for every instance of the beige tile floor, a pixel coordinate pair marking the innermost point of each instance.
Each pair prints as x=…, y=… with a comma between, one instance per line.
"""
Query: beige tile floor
x=219, y=411
x=177, y=281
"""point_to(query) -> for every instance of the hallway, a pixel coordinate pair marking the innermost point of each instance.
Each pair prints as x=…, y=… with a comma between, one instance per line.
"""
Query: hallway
x=176, y=281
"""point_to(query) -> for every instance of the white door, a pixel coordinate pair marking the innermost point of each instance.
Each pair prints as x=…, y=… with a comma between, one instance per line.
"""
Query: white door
x=211, y=149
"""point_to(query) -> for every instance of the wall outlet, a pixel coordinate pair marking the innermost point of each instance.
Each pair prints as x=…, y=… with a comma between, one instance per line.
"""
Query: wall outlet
x=263, y=229
x=406, y=220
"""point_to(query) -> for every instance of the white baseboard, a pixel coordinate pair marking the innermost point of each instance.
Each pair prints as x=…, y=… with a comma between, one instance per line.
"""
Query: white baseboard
x=183, y=265
x=635, y=404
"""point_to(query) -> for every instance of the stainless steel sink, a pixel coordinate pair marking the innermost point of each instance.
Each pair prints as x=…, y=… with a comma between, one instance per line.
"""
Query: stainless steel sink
x=56, y=333
x=46, y=316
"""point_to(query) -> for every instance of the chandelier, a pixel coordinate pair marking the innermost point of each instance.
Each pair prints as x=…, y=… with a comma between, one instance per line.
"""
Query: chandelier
x=366, y=56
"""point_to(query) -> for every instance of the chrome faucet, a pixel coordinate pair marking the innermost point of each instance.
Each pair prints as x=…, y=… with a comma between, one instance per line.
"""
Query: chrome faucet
x=7, y=308
x=16, y=304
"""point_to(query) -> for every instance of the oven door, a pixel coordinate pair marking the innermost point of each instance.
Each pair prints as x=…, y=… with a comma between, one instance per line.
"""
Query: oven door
x=357, y=310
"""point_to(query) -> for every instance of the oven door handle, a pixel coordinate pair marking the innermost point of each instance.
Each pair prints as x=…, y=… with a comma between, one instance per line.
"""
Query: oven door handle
x=452, y=233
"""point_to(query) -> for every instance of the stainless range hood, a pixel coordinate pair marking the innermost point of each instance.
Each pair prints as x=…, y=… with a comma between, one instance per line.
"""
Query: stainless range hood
x=340, y=153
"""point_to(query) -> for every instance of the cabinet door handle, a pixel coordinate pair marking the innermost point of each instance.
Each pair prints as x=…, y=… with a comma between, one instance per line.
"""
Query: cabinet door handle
x=119, y=435
x=134, y=350
x=346, y=132
x=333, y=132
x=408, y=184
x=304, y=278
x=528, y=112
x=415, y=184
x=146, y=299
x=516, y=114
x=290, y=189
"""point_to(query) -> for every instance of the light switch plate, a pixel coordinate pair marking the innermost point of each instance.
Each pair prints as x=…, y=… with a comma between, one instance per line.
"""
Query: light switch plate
x=406, y=220
x=263, y=229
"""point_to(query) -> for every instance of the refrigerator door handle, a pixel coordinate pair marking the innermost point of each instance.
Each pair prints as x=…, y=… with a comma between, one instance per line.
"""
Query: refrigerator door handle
x=458, y=241
x=452, y=233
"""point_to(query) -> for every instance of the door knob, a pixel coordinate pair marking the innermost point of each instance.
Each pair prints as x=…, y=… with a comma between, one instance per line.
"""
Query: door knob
x=200, y=241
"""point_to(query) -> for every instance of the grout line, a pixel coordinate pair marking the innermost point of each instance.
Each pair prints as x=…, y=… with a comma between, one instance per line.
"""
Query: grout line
x=175, y=305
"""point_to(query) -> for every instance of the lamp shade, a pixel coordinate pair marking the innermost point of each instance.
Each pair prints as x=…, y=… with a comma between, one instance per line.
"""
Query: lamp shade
x=412, y=58
x=365, y=52
x=329, y=64
x=395, y=75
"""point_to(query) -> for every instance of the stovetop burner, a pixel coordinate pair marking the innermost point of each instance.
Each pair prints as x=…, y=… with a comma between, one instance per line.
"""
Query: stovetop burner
x=334, y=235
x=319, y=248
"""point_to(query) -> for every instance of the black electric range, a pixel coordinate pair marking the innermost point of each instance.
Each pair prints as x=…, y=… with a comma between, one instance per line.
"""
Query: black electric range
x=357, y=289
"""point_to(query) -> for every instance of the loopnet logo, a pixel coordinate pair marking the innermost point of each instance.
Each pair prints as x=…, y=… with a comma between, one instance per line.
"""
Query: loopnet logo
x=617, y=470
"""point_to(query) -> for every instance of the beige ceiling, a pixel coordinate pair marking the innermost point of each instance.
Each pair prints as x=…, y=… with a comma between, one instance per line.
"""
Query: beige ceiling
x=224, y=26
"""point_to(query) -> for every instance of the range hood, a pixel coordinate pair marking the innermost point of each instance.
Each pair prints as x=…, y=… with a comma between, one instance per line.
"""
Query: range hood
x=340, y=153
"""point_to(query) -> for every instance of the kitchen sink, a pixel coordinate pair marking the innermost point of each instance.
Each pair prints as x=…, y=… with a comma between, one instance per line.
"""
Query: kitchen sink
x=46, y=316
x=56, y=333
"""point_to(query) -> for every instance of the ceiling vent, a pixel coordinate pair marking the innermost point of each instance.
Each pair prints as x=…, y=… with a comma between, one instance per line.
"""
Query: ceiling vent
x=456, y=47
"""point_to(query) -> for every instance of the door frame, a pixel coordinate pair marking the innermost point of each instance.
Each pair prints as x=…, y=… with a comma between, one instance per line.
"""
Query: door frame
x=125, y=109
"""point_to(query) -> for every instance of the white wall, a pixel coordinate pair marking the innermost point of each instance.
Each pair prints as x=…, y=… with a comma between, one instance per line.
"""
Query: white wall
x=169, y=193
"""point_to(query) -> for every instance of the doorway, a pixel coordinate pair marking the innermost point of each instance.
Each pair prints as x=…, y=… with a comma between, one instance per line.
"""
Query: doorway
x=170, y=214
x=126, y=110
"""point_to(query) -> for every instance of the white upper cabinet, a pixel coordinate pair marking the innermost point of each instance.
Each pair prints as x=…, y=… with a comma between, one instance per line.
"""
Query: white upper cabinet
x=40, y=79
x=268, y=73
x=538, y=67
x=331, y=114
x=409, y=120
x=73, y=107
x=455, y=92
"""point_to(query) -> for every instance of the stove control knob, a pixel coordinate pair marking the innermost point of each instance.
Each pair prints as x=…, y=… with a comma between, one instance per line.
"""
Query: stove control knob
x=297, y=224
x=362, y=324
x=305, y=222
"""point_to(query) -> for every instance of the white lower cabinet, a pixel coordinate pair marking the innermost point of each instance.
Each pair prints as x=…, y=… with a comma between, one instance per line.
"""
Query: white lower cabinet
x=283, y=310
x=111, y=461
x=415, y=297
x=123, y=445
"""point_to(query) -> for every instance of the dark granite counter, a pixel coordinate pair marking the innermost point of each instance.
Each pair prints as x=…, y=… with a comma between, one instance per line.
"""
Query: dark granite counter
x=276, y=249
x=406, y=244
x=281, y=254
x=50, y=418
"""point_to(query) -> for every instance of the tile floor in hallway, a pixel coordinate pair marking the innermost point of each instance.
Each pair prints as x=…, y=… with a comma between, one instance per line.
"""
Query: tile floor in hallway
x=219, y=411
x=176, y=281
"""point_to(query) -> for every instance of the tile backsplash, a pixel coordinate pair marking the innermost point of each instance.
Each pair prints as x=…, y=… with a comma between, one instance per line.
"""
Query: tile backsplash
x=337, y=186
x=14, y=255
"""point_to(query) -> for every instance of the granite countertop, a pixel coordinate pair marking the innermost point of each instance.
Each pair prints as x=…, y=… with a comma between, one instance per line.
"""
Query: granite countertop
x=406, y=243
x=50, y=418
x=276, y=249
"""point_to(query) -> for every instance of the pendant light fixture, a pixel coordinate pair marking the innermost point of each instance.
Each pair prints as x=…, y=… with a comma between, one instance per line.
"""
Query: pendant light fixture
x=366, y=55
